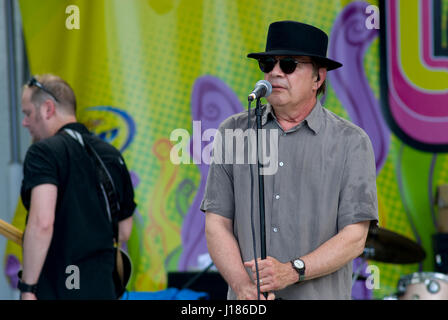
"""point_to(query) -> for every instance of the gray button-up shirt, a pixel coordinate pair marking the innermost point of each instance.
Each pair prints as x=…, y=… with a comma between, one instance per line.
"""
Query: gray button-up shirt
x=322, y=178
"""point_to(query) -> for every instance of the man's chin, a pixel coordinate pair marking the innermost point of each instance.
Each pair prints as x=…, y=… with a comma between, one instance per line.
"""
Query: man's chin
x=275, y=100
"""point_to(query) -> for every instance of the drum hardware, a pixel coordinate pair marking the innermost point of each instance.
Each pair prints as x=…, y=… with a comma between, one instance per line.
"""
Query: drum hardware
x=423, y=286
x=386, y=246
x=433, y=287
x=357, y=276
x=440, y=239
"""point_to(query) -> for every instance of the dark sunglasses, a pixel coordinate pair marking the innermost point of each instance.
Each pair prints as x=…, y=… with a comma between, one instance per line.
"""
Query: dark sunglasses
x=33, y=82
x=288, y=65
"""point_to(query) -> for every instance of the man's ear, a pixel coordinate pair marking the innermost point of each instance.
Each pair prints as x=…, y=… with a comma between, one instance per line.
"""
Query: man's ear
x=320, y=78
x=48, y=108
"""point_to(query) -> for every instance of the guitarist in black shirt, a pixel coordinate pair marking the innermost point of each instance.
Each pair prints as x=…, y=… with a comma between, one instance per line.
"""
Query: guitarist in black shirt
x=71, y=232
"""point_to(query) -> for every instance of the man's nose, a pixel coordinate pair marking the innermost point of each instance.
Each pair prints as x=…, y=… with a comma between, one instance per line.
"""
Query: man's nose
x=277, y=70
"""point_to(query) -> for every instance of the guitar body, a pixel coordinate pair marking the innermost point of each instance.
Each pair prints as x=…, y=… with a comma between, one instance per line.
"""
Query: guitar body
x=122, y=274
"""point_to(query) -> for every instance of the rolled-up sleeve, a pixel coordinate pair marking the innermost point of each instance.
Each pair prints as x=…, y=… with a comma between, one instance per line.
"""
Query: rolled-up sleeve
x=219, y=192
x=358, y=196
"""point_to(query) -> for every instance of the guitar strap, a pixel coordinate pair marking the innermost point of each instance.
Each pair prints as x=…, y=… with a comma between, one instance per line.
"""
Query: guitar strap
x=108, y=189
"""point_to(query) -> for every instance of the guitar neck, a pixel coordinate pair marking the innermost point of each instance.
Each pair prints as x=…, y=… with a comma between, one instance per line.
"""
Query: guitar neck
x=11, y=232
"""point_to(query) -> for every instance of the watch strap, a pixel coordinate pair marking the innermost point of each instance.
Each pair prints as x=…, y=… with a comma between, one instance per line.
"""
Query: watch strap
x=25, y=287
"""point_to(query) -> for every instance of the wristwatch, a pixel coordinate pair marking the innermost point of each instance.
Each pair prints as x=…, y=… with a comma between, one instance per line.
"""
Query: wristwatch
x=299, y=266
x=25, y=287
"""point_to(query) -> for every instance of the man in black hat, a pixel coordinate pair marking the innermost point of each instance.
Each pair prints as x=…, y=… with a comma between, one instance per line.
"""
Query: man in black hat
x=320, y=201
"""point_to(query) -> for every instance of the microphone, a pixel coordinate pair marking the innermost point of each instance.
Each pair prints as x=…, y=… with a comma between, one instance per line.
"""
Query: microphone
x=262, y=89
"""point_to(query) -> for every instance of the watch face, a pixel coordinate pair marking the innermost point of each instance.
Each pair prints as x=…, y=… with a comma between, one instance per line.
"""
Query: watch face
x=299, y=264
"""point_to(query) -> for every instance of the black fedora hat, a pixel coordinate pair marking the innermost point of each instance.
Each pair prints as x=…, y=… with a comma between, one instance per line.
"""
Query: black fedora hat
x=292, y=38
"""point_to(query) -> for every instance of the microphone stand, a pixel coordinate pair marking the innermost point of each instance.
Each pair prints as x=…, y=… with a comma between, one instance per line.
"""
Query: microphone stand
x=259, y=113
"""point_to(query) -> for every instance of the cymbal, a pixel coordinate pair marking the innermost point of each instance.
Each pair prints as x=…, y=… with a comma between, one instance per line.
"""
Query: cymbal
x=386, y=246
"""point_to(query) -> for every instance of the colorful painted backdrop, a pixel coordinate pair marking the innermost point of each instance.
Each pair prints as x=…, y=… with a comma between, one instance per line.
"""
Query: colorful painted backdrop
x=142, y=68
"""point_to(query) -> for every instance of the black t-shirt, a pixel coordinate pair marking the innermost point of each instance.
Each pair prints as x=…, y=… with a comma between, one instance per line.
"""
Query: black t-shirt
x=82, y=232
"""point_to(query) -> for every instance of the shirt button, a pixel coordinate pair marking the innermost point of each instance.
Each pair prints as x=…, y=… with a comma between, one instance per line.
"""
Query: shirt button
x=281, y=164
x=275, y=229
x=277, y=196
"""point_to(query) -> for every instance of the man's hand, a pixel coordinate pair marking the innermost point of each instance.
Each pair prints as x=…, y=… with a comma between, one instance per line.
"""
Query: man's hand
x=248, y=291
x=274, y=275
x=28, y=296
x=226, y=255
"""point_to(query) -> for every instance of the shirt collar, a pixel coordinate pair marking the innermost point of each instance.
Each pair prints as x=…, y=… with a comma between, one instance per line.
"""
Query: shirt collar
x=267, y=114
x=313, y=120
x=76, y=126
